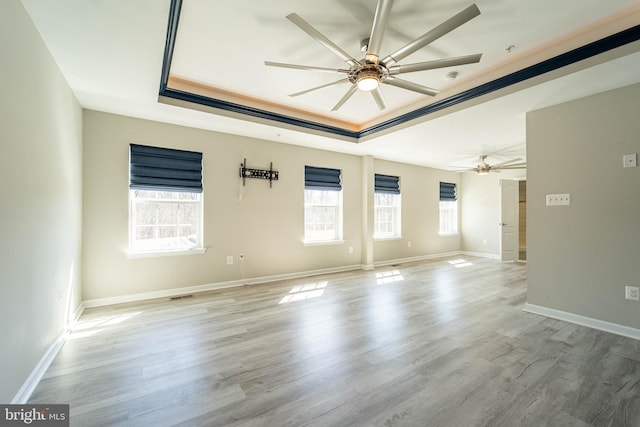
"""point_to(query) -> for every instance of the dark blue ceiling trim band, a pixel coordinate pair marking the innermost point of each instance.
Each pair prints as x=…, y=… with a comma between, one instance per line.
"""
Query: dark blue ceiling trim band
x=255, y=112
x=172, y=31
x=587, y=51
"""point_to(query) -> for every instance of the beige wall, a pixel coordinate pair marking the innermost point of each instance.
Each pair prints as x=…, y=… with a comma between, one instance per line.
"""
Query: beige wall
x=580, y=257
x=420, y=192
x=480, y=204
x=265, y=224
x=41, y=190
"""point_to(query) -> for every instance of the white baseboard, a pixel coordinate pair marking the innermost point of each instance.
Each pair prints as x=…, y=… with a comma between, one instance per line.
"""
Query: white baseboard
x=415, y=258
x=77, y=313
x=601, y=325
x=25, y=392
x=168, y=293
x=481, y=254
x=38, y=372
x=428, y=257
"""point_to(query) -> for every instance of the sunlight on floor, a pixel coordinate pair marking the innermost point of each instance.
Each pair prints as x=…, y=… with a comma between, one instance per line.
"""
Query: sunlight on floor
x=459, y=263
x=89, y=327
x=389, y=277
x=302, y=292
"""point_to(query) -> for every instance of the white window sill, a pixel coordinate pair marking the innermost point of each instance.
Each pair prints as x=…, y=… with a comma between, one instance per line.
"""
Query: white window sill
x=156, y=254
x=448, y=234
x=322, y=242
x=382, y=239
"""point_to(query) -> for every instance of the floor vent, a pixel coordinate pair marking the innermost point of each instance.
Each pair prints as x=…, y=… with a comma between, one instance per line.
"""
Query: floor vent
x=181, y=297
x=395, y=265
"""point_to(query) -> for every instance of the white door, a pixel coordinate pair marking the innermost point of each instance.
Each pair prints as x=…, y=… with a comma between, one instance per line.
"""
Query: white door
x=508, y=220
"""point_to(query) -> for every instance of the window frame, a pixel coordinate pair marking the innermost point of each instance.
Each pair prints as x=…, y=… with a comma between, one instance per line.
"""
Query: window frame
x=396, y=208
x=135, y=250
x=166, y=180
x=448, y=208
x=338, y=233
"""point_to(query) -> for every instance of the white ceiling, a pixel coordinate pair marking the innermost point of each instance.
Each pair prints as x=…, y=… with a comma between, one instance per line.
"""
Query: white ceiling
x=111, y=53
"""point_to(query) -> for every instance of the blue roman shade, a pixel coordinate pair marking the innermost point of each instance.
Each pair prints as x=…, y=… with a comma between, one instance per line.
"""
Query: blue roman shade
x=386, y=184
x=448, y=192
x=322, y=179
x=164, y=169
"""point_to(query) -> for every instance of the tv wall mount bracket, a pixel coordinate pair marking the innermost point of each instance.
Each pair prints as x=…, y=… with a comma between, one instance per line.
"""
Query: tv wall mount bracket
x=269, y=174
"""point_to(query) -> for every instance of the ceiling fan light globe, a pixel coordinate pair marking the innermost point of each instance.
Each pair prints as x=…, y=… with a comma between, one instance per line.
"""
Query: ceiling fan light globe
x=367, y=83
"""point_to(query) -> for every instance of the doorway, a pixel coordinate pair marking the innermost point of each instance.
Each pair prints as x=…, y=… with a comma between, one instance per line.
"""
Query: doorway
x=513, y=220
x=509, y=220
x=522, y=220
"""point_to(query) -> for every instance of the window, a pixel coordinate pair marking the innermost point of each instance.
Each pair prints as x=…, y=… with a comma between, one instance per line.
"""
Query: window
x=165, y=200
x=387, y=215
x=165, y=220
x=322, y=205
x=448, y=208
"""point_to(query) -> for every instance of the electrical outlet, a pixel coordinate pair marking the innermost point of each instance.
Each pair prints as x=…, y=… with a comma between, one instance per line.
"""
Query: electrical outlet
x=632, y=293
x=409, y=244
x=230, y=259
x=630, y=160
x=241, y=257
x=350, y=249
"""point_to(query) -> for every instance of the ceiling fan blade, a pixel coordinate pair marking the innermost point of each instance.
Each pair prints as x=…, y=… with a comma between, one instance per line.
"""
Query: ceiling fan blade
x=305, y=67
x=432, y=65
x=428, y=37
x=383, y=9
x=377, y=95
x=463, y=170
x=319, y=37
x=319, y=87
x=353, y=89
x=516, y=166
x=411, y=86
x=497, y=165
x=363, y=14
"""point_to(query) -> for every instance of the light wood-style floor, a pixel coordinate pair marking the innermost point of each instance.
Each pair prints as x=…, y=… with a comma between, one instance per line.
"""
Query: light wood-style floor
x=436, y=343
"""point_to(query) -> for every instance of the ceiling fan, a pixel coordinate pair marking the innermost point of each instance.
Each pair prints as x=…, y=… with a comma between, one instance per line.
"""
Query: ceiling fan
x=366, y=74
x=484, y=168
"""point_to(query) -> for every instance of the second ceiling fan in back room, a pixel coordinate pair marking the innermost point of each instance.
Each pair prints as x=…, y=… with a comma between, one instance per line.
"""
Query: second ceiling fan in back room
x=367, y=74
x=483, y=168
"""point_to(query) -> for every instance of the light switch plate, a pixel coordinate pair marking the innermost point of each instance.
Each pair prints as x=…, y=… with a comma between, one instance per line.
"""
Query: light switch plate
x=630, y=160
x=559, y=199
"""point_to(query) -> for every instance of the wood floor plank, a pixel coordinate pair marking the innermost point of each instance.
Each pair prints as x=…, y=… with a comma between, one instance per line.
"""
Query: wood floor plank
x=434, y=343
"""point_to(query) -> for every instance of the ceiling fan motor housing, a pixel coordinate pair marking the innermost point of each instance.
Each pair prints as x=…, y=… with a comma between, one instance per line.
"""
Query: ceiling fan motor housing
x=365, y=70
